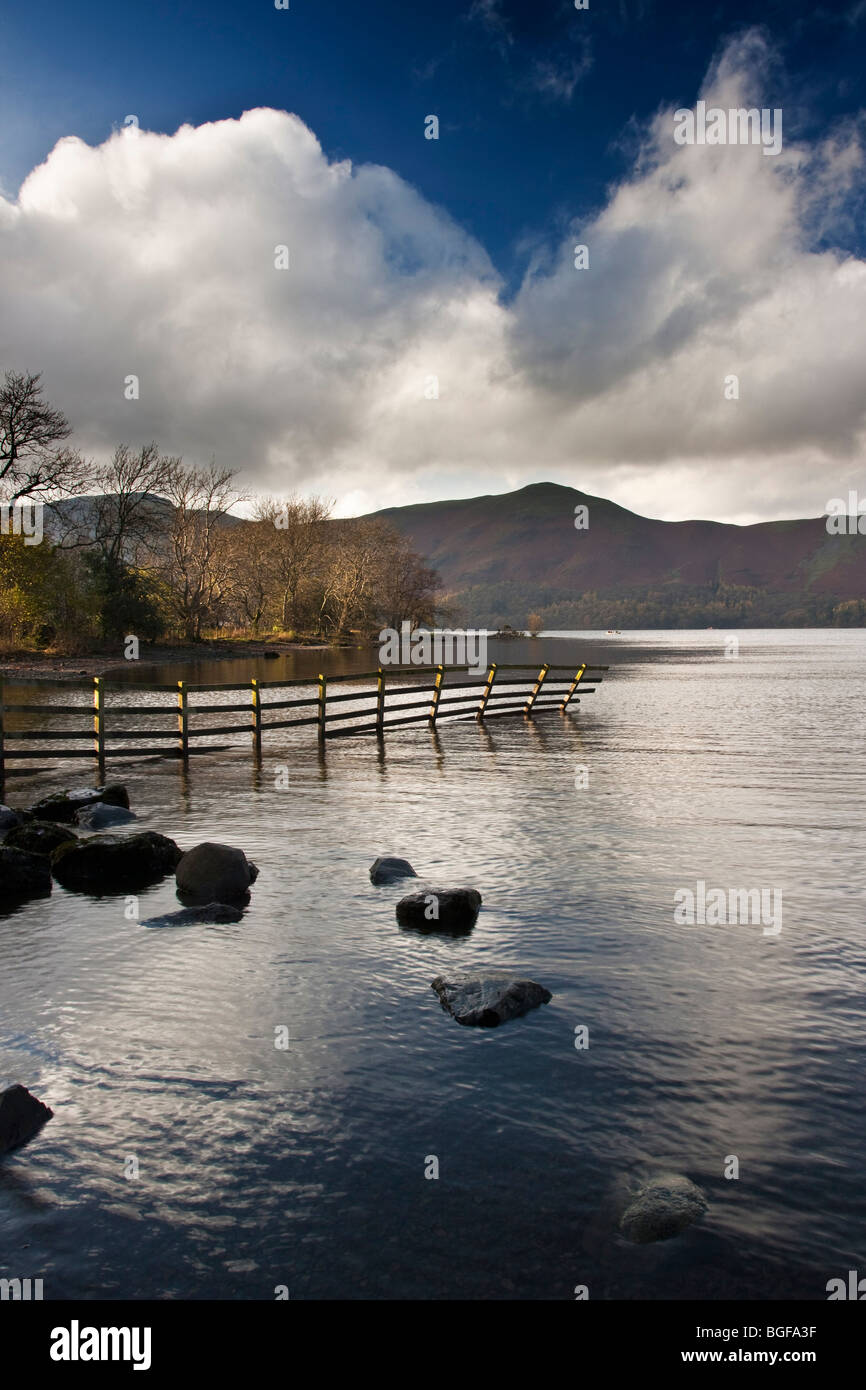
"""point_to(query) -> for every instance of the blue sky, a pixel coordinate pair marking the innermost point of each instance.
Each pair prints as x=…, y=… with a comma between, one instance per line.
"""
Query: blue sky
x=546, y=119
x=535, y=99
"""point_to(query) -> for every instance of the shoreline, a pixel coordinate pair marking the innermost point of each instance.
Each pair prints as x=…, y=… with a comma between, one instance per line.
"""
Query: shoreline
x=60, y=667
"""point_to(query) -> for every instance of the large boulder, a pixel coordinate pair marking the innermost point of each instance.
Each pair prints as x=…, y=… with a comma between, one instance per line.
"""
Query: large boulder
x=38, y=837
x=114, y=863
x=63, y=805
x=23, y=875
x=389, y=869
x=210, y=914
x=21, y=1116
x=450, y=910
x=102, y=816
x=488, y=1000
x=214, y=873
x=661, y=1207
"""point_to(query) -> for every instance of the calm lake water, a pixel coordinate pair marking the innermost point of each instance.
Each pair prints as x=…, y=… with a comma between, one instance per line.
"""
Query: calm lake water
x=305, y=1167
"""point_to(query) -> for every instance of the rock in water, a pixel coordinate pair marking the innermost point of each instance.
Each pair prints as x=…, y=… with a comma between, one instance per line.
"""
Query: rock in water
x=451, y=910
x=21, y=1116
x=214, y=873
x=388, y=869
x=486, y=1001
x=211, y=913
x=62, y=806
x=23, y=875
x=661, y=1207
x=8, y=818
x=114, y=863
x=39, y=837
x=100, y=816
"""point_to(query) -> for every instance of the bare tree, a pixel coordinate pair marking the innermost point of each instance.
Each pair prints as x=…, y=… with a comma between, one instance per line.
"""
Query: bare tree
x=131, y=512
x=34, y=460
x=248, y=578
x=372, y=575
x=291, y=540
x=196, y=563
x=406, y=587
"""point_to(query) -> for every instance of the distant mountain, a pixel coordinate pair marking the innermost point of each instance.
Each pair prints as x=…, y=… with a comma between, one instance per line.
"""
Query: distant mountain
x=77, y=516
x=505, y=555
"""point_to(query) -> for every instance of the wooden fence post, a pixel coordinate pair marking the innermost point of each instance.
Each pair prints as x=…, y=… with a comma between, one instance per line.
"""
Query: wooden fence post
x=491, y=677
x=380, y=702
x=527, y=709
x=2, y=757
x=574, y=684
x=323, y=696
x=182, y=720
x=99, y=723
x=257, y=718
x=437, y=692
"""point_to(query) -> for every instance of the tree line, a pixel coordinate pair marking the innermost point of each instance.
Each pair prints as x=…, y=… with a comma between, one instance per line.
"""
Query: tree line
x=540, y=608
x=149, y=545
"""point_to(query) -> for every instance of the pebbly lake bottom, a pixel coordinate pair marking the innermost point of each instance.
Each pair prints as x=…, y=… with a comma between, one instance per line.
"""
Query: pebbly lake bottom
x=190, y=1157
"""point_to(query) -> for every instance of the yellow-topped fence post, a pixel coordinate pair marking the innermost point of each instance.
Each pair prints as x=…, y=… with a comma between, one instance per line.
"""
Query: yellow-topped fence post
x=182, y=721
x=99, y=723
x=574, y=684
x=485, y=694
x=323, y=696
x=437, y=694
x=257, y=717
x=527, y=709
x=380, y=702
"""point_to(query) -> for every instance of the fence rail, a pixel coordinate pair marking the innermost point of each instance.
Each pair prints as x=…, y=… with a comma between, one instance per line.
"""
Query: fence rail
x=491, y=693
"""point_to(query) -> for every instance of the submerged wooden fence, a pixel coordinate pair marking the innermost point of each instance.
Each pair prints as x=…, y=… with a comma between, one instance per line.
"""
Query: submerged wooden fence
x=494, y=693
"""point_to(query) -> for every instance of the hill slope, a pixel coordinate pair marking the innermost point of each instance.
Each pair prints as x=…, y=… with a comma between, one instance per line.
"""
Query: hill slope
x=500, y=556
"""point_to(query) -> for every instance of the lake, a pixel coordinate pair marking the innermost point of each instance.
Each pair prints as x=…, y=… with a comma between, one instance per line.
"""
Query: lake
x=259, y=1166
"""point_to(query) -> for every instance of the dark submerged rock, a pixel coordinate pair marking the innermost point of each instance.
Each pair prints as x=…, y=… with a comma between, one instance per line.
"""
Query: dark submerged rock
x=63, y=805
x=23, y=875
x=450, y=910
x=21, y=1117
x=8, y=818
x=187, y=916
x=113, y=863
x=660, y=1207
x=39, y=837
x=389, y=869
x=214, y=873
x=485, y=1001
x=101, y=816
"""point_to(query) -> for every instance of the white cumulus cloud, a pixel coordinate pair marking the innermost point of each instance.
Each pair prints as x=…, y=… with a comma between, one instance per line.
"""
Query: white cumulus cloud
x=154, y=255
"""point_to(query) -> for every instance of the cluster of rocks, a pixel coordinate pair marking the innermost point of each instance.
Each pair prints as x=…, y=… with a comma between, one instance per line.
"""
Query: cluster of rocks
x=44, y=844
x=482, y=1001
x=213, y=883
x=32, y=838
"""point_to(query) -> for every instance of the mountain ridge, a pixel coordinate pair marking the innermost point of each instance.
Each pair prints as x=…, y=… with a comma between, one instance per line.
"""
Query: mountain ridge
x=502, y=556
x=499, y=553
